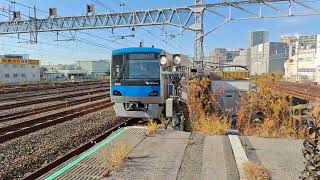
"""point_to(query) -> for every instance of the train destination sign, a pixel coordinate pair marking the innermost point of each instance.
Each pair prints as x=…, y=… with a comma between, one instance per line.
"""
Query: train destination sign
x=141, y=56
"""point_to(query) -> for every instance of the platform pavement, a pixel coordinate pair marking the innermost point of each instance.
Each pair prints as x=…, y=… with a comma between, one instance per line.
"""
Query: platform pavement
x=156, y=157
x=162, y=156
x=159, y=157
x=282, y=157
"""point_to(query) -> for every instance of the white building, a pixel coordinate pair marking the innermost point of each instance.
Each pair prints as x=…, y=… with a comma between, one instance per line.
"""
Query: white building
x=304, y=64
x=69, y=71
x=223, y=55
x=244, y=58
x=95, y=68
x=19, y=70
x=268, y=58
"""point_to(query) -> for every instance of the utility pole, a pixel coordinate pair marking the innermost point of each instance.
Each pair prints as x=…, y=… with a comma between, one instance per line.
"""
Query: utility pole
x=198, y=38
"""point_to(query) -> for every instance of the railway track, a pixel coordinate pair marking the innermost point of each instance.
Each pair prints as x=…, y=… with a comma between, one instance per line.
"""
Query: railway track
x=15, y=104
x=41, y=86
x=64, y=90
x=82, y=148
x=304, y=91
x=23, y=128
x=68, y=103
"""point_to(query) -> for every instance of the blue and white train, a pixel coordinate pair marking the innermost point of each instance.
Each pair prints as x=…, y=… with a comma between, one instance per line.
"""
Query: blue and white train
x=138, y=89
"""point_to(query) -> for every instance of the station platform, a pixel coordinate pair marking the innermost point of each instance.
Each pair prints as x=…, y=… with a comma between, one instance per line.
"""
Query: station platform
x=282, y=157
x=171, y=154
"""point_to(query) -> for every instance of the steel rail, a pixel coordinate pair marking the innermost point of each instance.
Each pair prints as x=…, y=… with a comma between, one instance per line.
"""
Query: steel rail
x=45, y=83
x=26, y=113
x=23, y=128
x=51, y=98
x=15, y=89
x=64, y=90
x=299, y=90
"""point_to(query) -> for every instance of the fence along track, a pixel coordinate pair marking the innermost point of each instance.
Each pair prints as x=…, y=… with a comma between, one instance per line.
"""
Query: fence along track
x=23, y=128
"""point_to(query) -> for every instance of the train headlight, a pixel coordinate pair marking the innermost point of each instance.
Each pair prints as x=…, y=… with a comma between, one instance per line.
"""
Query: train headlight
x=116, y=93
x=153, y=93
x=177, y=60
x=163, y=60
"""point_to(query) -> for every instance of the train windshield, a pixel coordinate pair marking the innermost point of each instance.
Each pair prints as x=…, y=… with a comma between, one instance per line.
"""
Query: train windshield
x=143, y=69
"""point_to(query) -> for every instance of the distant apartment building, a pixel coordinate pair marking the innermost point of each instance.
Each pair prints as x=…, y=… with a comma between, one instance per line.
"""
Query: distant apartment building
x=258, y=37
x=268, y=58
x=18, y=68
x=299, y=42
x=223, y=55
x=244, y=58
x=55, y=72
x=304, y=62
x=218, y=55
x=95, y=68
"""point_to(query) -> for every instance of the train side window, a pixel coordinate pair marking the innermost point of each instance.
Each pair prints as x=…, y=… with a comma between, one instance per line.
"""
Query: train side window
x=117, y=68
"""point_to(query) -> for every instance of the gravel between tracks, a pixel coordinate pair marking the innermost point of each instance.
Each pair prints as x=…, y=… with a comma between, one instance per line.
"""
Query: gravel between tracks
x=29, y=107
x=28, y=153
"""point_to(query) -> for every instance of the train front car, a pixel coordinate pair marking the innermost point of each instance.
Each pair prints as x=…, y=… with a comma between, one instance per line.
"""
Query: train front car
x=135, y=82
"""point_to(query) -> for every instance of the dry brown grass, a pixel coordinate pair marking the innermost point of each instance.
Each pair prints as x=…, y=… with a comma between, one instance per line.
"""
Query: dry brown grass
x=114, y=161
x=211, y=125
x=204, y=115
x=255, y=171
x=276, y=110
x=152, y=128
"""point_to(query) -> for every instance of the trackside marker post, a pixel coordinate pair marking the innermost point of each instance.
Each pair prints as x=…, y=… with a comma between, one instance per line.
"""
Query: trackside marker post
x=239, y=154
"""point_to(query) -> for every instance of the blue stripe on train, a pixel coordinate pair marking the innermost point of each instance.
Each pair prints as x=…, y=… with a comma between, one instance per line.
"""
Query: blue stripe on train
x=135, y=90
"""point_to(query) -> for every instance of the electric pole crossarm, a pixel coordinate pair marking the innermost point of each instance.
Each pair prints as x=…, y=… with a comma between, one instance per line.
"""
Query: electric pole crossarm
x=181, y=17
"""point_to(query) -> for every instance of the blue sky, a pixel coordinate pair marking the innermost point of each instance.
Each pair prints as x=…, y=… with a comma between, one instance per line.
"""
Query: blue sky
x=231, y=35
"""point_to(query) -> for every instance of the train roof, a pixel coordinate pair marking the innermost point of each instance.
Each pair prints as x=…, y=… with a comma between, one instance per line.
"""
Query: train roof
x=136, y=50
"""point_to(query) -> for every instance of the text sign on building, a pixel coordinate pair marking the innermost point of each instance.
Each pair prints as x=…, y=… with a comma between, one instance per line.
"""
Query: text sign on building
x=18, y=61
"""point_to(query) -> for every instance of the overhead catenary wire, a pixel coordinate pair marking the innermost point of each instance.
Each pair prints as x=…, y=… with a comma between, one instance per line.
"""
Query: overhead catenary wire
x=80, y=39
x=152, y=35
x=177, y=46
x=44, y=43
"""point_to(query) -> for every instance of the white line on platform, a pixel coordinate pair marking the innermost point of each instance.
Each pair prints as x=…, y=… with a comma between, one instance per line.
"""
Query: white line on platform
x=239, y=154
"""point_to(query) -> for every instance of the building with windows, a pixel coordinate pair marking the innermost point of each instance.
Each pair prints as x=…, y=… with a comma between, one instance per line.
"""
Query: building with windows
x=54, y=72
x=244, y=58
x=223, y=55
x=299, y=42
x=258, y=37
x=95, y=68
x=304, y=59
x=268, y=58
x=17, y=69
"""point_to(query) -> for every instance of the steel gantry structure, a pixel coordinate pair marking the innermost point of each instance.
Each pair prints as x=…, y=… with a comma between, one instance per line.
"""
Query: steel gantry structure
x=187, y=18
